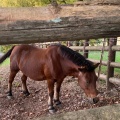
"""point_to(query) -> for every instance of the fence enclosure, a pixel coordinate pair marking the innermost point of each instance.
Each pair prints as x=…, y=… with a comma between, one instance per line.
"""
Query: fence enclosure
x=111, y=64
x=112, y=47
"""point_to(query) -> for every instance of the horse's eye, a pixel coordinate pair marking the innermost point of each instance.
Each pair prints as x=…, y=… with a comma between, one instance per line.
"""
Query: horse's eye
x=87, y=82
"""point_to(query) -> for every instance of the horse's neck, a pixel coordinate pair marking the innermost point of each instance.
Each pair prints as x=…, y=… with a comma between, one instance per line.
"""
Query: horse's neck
x=70, y=68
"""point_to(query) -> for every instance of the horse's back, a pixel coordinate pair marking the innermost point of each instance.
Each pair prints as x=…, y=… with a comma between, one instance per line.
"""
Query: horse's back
x=36, y=63
x=19, y=48
x=20, y=54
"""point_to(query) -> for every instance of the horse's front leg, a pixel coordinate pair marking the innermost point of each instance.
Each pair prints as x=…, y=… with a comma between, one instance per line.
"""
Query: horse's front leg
x=50, y=95
x=57, y=92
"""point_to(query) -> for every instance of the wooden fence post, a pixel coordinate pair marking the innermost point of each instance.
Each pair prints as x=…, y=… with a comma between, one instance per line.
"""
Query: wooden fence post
x=68, y=43
x=85, y=52
x=111, y=58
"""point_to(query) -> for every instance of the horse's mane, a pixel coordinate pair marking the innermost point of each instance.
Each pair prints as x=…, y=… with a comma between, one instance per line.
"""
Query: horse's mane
x=75, y=57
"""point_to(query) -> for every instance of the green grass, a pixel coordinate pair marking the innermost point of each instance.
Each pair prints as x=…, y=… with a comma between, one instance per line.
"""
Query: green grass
x=6, y=62
x=97, y=56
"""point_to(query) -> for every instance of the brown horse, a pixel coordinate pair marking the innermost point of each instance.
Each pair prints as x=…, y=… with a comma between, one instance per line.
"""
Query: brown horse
x=52, y=64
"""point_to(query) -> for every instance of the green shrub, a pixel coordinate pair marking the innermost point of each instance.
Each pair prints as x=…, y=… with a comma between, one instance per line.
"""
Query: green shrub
x=30, y=3
x=5, y=48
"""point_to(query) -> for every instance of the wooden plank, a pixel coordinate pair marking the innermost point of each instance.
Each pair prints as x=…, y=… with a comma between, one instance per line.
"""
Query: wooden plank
x=102, y=77
x=49, y=43
x=116, y=48
x=77, y=48
x=115, y=81
x=32, y=25
x=106, y=2
x=112, y=64
x=90, y=48
x=97, y=61
x=115, y=64
x=95, y=48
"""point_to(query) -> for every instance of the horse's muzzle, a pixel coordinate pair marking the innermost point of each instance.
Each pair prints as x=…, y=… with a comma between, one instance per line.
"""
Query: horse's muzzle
x=93, y=100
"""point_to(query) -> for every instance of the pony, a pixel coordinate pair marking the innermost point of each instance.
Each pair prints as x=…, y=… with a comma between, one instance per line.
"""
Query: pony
x=52, y=64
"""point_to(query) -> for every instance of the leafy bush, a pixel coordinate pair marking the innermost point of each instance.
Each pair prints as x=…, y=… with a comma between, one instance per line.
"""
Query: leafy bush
x=5, y=48
x=30, y=3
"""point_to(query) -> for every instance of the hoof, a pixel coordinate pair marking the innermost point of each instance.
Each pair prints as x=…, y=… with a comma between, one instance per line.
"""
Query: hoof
x=26, y=93
x=10, y=97
x=51, y=109
x=57, y=102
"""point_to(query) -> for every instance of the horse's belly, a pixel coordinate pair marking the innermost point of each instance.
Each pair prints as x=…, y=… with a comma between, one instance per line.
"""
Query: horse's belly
x=34, y=74
x=38, y=78
x=37, y=71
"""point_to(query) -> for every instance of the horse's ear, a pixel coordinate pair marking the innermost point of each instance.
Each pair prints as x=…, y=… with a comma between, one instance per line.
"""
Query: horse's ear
x=95, y=65
x=82, y=68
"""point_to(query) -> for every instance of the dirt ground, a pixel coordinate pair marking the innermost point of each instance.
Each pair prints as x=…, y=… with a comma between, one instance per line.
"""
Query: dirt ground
x=35, y=105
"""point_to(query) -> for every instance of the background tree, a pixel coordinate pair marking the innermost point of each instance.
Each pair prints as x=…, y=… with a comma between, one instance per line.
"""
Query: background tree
x=5, y=48
x=32, y=3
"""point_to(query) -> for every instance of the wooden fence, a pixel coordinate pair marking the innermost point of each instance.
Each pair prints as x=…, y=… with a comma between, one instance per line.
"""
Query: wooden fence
x=112, y=47
x=110, y=63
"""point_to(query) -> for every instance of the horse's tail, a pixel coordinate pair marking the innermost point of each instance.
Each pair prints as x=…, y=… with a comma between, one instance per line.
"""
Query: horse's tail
x=6, y=55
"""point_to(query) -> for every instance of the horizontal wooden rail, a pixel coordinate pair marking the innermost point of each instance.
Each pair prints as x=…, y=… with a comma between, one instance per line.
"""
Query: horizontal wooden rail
x=42, y=24
x=116, y=48
x=95, y=48
x=97, y=61
x=90, y=48
x=112, y=64
x=102, y=77
x=49, y=43
x=115, y=64
x=114, y=80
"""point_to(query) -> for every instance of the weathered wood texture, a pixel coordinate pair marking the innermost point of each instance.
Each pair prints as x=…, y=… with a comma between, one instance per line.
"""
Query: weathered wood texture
x=112, y=64
x=111, y=58
x=101, y=113
x=31, y=25
x=95, y=48
x=98, y=2
x=113, y=2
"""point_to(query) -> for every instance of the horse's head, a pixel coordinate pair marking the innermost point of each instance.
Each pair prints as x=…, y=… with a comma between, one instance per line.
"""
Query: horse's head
x=87, y=81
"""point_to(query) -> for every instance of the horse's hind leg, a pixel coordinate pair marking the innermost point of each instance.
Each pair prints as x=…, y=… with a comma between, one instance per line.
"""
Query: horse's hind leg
x=11, y=79
x=57, y=92
x=24, y=86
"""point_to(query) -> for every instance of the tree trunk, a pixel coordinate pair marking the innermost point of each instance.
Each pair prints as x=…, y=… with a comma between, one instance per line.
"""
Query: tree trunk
x=32, y=25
